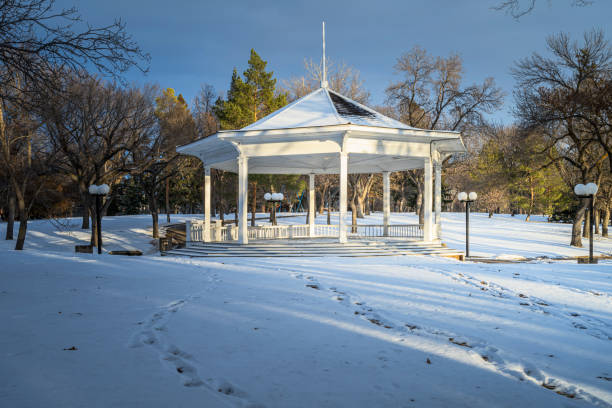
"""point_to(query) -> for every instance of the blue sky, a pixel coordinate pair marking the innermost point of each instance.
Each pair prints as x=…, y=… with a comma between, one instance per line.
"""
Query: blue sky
x=195, y=41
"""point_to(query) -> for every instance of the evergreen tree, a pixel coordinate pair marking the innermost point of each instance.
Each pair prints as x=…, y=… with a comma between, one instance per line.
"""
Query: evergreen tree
x=251, y=98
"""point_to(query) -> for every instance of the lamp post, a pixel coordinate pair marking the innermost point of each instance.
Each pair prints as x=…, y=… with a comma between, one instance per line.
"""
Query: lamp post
x=467, y=199
x=273, y=198
x=99, y=191
x=588, y=191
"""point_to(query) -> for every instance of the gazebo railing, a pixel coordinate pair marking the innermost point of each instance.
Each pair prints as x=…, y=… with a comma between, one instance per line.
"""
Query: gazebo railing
x=278, y=231
x=220, y=233
x=326, y=231
x=392, y=231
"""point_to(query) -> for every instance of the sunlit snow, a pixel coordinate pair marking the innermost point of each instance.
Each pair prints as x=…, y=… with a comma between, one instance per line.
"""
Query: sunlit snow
x=399, y=331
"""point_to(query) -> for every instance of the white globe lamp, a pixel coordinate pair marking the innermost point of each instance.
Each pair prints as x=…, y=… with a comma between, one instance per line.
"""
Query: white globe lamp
x=591, y=189
x=580, y=189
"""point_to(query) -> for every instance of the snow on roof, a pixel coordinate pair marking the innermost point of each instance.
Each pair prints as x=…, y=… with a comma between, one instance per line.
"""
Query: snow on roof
x=324, y=107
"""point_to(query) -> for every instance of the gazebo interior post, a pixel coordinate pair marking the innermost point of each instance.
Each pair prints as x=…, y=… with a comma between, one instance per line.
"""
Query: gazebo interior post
x=438, y=198
x=427, y=201
x=243, y=187
x=343, y=196
x=311, y=205
x=206, y=203
x=386, y=202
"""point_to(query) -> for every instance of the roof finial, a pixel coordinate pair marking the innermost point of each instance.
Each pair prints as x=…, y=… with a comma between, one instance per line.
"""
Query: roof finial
x=324, y=71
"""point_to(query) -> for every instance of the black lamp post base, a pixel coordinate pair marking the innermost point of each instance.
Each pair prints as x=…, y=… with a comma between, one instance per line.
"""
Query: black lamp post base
x=586, y=260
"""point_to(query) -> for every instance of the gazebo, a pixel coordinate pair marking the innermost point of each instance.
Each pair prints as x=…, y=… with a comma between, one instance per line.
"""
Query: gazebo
x=324, y=133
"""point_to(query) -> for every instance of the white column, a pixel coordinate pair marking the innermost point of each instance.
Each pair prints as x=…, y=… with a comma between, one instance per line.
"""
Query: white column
x=427, y=201
x=243, y=187
x=343, y=195
x=311, y=205
x=438, y=198
x=206, y=204
x=386, y=202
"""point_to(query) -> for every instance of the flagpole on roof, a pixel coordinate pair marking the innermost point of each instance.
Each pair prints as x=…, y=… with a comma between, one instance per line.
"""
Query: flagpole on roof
x=324, y=73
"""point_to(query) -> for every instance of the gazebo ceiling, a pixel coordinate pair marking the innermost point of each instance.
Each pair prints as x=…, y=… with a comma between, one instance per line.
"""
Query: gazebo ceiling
x=308, y=135
x=326, y=163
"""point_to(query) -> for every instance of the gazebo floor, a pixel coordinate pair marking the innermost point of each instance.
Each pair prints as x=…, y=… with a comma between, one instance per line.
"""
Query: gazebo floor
x=315, y=248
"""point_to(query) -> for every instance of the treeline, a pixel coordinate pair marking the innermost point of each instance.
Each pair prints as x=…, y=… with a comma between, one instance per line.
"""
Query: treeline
x=68, y=120
x=562, y=136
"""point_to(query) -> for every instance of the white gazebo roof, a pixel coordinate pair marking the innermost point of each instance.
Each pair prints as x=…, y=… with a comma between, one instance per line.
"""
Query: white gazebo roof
x=307, y=136
x=324, y=107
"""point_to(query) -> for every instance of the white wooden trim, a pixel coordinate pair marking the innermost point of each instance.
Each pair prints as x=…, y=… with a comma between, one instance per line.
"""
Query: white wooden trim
x=243, y=190
x=427, y=201
x=311, y=205
x=206, y=203
x=343, y=195
x=386, y=202
x=438, y=198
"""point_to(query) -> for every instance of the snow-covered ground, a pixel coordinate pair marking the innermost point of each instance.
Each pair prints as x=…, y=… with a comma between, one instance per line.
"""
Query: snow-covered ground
x=405, y=331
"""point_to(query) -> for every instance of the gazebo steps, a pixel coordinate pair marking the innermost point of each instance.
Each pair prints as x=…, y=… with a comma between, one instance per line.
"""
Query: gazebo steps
x=312, y=249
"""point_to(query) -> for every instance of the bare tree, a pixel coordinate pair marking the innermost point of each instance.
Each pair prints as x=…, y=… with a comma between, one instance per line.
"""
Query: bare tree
x=35, y=40
x=550, y=98
x=341, y=77
x=170, y=125
x=205, y=121
x=25, y=158
x=520, y=8
x=93, y=125
x=430, y=95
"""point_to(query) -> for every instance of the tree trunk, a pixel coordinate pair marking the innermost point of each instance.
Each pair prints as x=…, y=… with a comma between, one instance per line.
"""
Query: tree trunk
x=576, y=226
x=85, y=221
x=597, y=214
x=10, y=221
x=155, y=217
x=94, y=228
x=328, y=208
x=490, y=213
x=360, y=206
x=23, y=223
x=321, y=202
x=353, y=216
x=167, y=202
x=606, y=221
x=85, y=203
x=419, y=206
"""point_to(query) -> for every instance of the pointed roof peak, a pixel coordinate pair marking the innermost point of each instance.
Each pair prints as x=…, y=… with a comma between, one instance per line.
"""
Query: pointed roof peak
x=324, y=107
